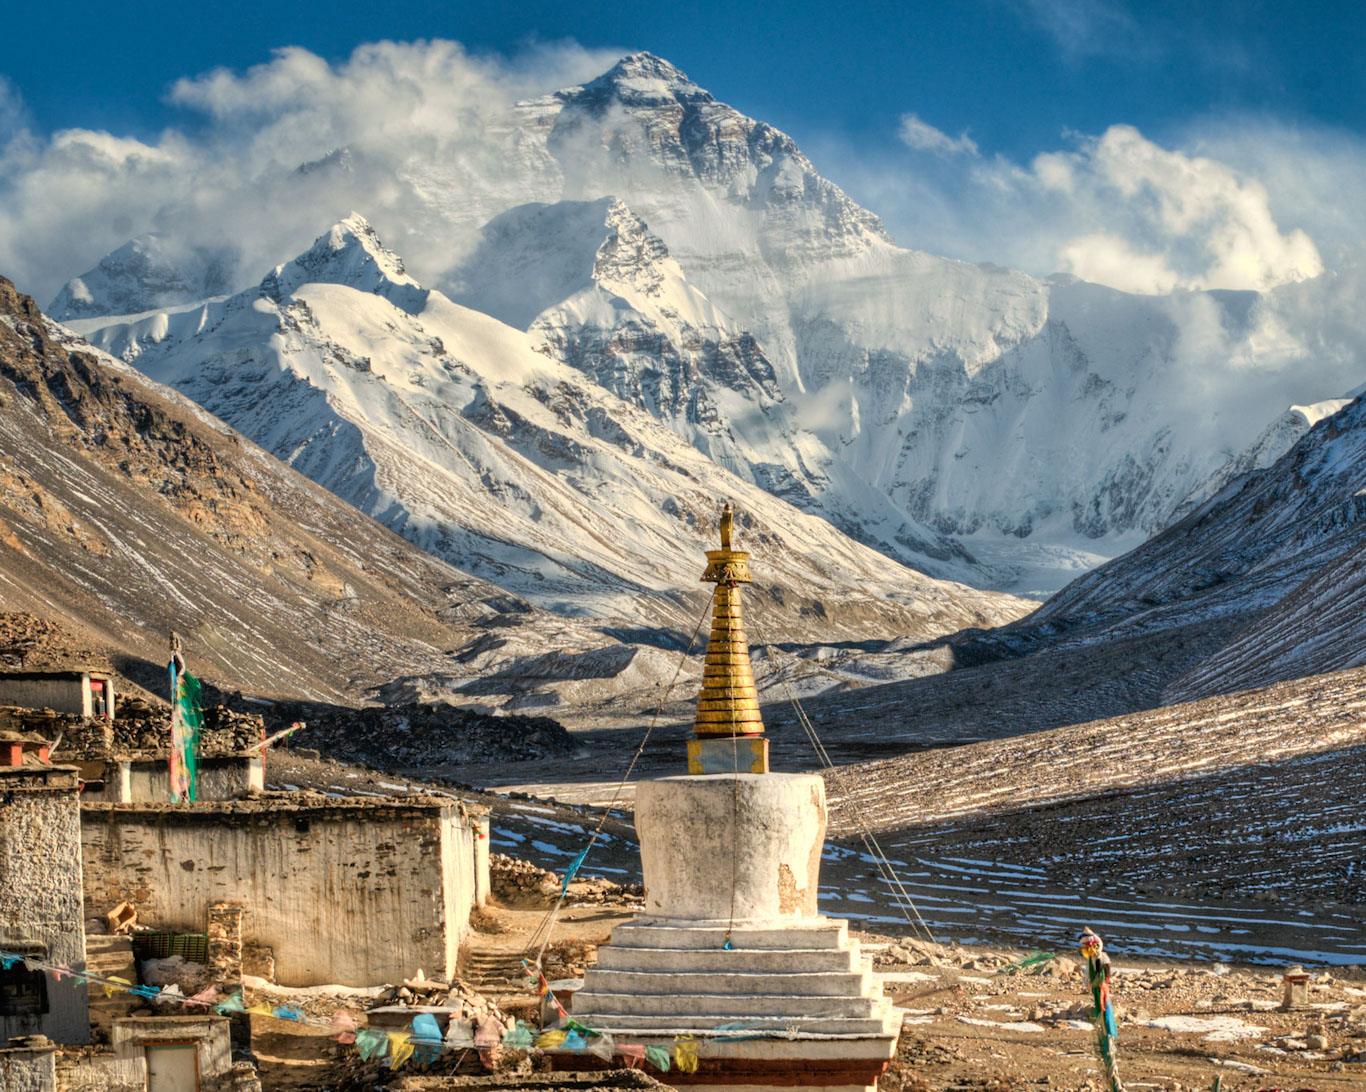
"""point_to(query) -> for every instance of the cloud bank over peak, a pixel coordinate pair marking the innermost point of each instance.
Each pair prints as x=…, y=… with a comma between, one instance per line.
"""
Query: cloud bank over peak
x=230, y=172
x=1164, y=219
x=1242, y=205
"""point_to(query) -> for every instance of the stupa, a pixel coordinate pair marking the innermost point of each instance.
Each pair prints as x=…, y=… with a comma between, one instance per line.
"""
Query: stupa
x=732, y=950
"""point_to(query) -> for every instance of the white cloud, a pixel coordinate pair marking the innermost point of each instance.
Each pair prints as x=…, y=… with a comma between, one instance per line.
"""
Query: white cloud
x=1170, y=218
x=1109, y=259
x=1086, y=28
x=924, y=137
x=68, y=199
x=13, y=113
x=1237, y=205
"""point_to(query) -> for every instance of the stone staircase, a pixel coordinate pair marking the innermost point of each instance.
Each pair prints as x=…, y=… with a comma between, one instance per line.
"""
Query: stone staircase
x=107, y=956
x=493, y=973
x=660, y=978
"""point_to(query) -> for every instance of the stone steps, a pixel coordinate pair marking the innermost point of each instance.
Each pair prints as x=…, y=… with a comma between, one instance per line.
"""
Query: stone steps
x=706, y=1024
x=616, y=957
x=652, y=981
x=594, y=1002
x=824, y=934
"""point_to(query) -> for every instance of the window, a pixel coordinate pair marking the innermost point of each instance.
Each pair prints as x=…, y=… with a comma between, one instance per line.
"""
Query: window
x=22, y=992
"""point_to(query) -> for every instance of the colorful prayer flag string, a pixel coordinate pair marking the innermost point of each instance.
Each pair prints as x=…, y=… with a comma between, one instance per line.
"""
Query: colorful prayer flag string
x=1102, y=1012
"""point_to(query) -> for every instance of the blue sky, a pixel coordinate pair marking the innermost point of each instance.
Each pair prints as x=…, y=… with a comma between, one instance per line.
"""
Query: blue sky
x=1015, y=74
x=1145, y=146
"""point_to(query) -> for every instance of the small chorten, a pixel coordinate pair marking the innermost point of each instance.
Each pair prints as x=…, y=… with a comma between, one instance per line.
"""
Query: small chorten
x=732, y=965
x=727, y=726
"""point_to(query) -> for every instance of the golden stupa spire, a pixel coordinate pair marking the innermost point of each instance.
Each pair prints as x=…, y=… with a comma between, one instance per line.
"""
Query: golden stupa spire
x=728, y=705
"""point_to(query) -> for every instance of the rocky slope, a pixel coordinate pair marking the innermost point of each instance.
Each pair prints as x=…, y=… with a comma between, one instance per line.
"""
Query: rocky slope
x=126, y=511
x=447, y=426
x=1276, y=548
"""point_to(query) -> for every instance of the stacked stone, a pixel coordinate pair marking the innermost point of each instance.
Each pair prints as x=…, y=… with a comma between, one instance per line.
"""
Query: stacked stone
x=225, y=945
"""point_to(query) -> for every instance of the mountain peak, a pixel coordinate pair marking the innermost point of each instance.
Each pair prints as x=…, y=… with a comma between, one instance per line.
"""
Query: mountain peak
x=638, y=79
x=147, y=272
x=349, y=253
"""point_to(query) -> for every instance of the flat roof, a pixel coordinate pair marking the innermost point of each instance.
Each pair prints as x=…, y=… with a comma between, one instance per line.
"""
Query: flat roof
x=294, y=804
x=39, y=778
x=54, y=673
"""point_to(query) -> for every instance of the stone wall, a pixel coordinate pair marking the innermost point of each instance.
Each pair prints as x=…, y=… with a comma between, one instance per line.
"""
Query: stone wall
x=41, y=912
x=102, y=1073
x=28, y=1067
x=353, y=892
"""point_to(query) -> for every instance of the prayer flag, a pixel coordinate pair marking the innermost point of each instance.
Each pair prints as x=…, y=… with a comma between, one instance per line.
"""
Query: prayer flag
x=371, y=1043
x=460, y=1036
x=400, y=1048
x=573, y=869
x=658, y=1057
x=187, y=721
x=602, y=1046
x=488, y=1034
x=549, y=1040
x=230, y=1005
x=685, y=1055
x=114, y=982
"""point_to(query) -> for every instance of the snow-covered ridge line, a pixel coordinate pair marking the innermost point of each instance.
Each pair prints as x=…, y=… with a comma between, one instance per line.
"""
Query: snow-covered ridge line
x=448, y=426
x=969, y=420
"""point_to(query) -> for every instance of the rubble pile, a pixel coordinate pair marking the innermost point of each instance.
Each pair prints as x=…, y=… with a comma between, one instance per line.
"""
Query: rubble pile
x=177, y=971
x=406, y=736
x=141, y=728
x=32, y=643
x=463, y=999
x=570, y=958
x=517, y=882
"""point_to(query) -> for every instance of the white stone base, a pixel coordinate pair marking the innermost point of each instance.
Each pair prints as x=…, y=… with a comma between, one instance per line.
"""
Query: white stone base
x=791, y=1002
x=786, y=1005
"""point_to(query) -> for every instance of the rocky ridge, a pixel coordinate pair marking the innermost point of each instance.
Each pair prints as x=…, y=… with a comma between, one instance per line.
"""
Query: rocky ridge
x=126, y=512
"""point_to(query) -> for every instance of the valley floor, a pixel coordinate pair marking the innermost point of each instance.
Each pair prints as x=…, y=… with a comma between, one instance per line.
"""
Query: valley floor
x=972, y=1023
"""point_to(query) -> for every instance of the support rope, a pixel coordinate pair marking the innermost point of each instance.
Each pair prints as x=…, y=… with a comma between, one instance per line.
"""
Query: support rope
x=547, y=923
x=901, y=897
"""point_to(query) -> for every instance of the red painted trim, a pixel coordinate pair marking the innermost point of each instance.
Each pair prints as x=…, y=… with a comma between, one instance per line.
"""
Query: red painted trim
x=780, y=1073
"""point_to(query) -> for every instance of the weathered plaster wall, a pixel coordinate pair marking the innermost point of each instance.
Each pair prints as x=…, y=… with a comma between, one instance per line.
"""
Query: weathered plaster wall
x=28, y=1070
x=765, y=830
x=41, y=895
x=351, y=892
x=58, y=694
x=221, y=777
x=102, y=1073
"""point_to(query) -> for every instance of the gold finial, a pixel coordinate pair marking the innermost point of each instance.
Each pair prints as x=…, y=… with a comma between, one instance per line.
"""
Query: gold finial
x=728, y=704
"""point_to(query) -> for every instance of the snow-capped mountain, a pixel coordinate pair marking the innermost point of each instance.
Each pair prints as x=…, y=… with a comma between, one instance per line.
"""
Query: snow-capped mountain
x=145, y=273
x=968, y=420
x=446, y=425
x=1265, y=576
x=1042, y=424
